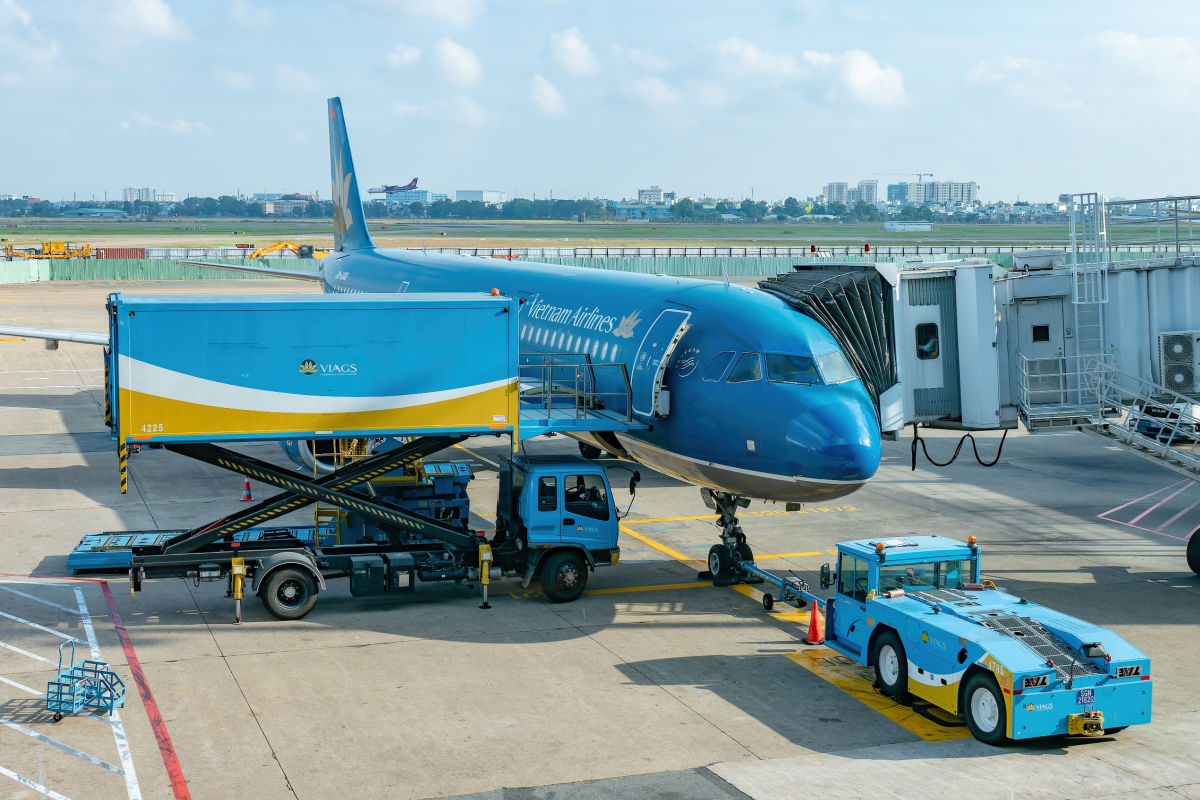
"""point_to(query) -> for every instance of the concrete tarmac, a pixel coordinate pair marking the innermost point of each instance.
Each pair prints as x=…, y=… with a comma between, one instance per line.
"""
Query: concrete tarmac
x=653, y=684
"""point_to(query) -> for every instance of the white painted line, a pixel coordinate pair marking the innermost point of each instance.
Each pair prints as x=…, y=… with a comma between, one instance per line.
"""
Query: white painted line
x=21, y=686
x=66, y=748
x=35, y=598
x=40, y=627
x=131, y=782
x=37, y=787
x=16, y=649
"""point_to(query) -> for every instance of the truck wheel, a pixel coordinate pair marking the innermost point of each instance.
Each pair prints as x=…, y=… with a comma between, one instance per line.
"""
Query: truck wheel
x=289, y=593
x=891, y=666
x=720, y=564
x=564, y=576
x=1193, y=552
x=984, y=709
x=590, y=451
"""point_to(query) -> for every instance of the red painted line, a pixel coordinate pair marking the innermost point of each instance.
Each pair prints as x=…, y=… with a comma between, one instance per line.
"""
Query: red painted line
x=1167, y=524
x=165, y=748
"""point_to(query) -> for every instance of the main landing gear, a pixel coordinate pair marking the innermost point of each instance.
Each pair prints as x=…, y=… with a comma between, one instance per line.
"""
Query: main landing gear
x=724, y=559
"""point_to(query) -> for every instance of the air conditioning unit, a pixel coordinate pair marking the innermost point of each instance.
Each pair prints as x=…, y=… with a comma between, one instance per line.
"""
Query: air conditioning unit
x=1179, y=360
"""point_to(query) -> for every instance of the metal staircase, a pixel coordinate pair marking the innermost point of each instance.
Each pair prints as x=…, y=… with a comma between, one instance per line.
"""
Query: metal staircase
x=1093, y=396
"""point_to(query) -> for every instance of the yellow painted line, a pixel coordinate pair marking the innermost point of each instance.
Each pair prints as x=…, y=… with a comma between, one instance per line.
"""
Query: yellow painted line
x=659, y=587
x=789, y=555
x=476, y=455
x=931, y=724
x=667, y=519
x=662, y=548
x=12, y=340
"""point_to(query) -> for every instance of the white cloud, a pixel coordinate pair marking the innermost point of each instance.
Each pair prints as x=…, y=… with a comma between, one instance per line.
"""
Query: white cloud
x=459, y=64
x=546, y=98
x=243, y=13
x=711, y=96
x=573, y=53
x=1028, y=82
x=642, y=59
x=405, y=110
x=455, y=12
x=1174, y=58
x=745, y=57
x=469, y=112
x=654, y=92
x=234, y=80
x=150, y=19
x=178, y=127
x=294, y=79
x=870, y=83
x=25, y=53
x=402, y=55
x=21, y=14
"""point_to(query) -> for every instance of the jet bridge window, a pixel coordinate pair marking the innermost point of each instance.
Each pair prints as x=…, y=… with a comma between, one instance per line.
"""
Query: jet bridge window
x=927, y=341
x=791, y=369
x=747, y=368
x=1041, y=333
x=718, y=365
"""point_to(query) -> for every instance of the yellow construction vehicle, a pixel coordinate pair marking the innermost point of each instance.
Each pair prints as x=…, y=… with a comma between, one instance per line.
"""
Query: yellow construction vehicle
x=302, y=250
x=50, y=250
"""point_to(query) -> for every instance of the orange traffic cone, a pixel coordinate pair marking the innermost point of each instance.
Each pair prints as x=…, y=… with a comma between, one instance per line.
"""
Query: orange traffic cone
x=815, y=636
x=246, y=497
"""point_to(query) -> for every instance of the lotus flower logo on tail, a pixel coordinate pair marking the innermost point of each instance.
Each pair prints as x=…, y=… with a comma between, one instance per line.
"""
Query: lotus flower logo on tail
x=624, y=329
x=342, y=220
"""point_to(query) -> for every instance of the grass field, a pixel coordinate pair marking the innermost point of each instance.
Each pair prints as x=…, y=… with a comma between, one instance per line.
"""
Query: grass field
x=441, y=233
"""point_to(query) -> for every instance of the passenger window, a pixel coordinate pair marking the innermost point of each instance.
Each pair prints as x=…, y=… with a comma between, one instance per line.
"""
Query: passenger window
x=547, y=493
x=927, y=341
x=852, y=577
x=718, y=365
x=747, y=368
x=584, y=496
x=791, y=369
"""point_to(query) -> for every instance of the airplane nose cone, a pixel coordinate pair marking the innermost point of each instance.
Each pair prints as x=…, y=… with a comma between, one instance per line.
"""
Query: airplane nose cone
x=837, y=438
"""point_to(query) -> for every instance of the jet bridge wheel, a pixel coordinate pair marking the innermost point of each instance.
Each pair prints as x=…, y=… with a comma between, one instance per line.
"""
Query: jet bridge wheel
x=1193, y=551
x=891, y=666
x=289, y=593
x=983, y=706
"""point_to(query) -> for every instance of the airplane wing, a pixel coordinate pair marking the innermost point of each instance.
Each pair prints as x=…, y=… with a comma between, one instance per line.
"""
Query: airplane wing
x=84, y=337
x=277, y=273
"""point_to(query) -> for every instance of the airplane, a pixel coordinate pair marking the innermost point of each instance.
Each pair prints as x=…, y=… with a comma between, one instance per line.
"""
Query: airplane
x=745, y=397
x=390, y=187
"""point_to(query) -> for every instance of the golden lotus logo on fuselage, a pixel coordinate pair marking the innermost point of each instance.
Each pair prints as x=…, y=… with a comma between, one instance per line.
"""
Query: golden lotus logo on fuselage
x=308, y=367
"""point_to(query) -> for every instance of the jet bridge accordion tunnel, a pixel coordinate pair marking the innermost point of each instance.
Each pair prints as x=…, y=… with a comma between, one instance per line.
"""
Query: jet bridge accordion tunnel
x=854, y=304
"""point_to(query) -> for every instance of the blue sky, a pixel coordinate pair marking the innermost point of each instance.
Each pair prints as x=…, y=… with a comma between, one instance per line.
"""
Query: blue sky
x=1029, y=99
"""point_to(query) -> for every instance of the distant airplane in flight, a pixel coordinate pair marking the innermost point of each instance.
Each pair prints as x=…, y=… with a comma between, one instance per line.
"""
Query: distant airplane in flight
x=391, y=187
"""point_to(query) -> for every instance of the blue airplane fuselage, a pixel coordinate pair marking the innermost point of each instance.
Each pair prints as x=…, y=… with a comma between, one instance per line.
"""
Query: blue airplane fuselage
x=769, y=433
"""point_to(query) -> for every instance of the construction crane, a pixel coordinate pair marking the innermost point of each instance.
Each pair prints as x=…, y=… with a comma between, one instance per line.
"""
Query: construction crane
x=49, y=250
x=301, y=250
x=919, y=175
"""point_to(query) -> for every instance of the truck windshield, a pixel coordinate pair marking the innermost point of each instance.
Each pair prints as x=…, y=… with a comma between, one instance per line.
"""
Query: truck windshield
x=929, y=575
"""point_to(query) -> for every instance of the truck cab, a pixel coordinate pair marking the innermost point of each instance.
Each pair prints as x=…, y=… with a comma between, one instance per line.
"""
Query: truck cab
x=916, y=610
x=559, y=512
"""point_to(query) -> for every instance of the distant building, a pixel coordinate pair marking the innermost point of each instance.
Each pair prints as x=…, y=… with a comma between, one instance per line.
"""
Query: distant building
x=836, y=192
x=893, y=226
x=94, y=212
x=868, y=192
x=943, y=192
x=146, y=194
x=651, y=195
x=489, y=196
x=637, y=211
x=282, y=207
x=897, y=192
x=260, y=196
x=423, y=196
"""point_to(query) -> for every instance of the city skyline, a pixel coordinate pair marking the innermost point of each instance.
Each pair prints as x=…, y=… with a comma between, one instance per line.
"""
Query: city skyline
x=544, y=96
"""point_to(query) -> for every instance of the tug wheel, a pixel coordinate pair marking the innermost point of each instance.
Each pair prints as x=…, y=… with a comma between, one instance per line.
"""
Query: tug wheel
x=891, y=666
x=984, y=709
x=768, y=601
x=1193, y=552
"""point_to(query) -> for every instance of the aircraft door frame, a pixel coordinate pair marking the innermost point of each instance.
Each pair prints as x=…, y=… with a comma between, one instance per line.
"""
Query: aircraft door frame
x=653, y=357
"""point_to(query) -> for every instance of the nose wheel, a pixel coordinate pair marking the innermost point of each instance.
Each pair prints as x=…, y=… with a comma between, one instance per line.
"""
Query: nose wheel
x=724, y=558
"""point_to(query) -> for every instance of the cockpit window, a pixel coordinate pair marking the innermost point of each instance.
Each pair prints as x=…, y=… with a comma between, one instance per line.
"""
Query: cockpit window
x=747, y=368
x=834, y=368
x=718, y=365
x=791, y=369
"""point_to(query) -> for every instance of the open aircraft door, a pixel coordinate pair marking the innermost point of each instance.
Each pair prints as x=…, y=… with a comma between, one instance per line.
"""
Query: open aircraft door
x=653, y=357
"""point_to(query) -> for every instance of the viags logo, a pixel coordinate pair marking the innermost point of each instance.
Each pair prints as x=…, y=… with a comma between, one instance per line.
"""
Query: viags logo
x=310, y=367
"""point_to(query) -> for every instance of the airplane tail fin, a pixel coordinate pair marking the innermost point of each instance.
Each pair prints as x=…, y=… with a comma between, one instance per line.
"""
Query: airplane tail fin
x=349, y=222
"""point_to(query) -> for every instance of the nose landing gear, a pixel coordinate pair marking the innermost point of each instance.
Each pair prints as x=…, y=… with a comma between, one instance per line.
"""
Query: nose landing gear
x=724, y=559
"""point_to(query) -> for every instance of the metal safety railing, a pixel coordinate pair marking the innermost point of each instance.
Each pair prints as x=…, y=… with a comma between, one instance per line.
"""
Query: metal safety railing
x=1059, y=386
x=1149, y=416
x=570, y=385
